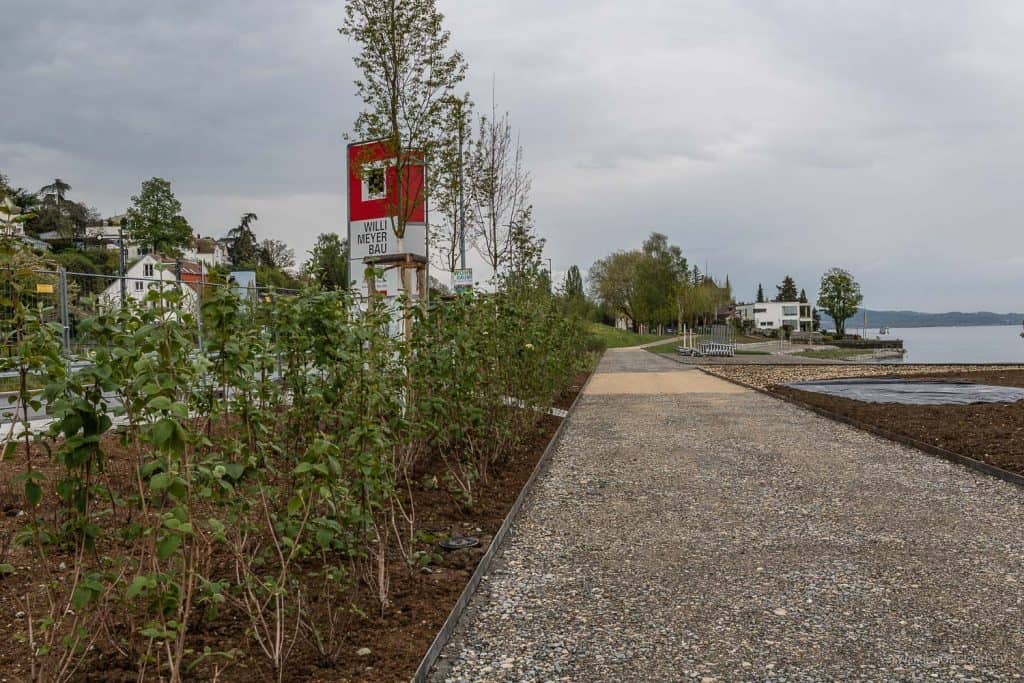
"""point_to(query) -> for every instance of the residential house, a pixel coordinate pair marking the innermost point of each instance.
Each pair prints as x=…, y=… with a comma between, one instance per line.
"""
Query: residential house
x=208, y=251
x=153, y=271
x=774, y=315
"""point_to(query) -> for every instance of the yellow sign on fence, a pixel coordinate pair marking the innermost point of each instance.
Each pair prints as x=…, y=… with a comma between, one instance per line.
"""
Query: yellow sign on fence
x=44, y=288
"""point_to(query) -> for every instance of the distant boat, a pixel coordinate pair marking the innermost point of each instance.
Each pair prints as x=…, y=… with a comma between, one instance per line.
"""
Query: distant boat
x=885, y=330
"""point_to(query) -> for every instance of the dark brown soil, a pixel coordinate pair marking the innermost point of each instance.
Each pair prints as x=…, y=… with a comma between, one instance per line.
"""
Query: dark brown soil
x=398, y=639
x=991, y=432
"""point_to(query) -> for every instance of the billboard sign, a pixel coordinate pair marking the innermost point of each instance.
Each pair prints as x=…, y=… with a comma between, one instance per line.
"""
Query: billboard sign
x=377, y=200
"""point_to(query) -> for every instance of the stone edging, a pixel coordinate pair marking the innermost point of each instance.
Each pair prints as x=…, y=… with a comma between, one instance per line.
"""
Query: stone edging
x=444, y=635
x=952, y=456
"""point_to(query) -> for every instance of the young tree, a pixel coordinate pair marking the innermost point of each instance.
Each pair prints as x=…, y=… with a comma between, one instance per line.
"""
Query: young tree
x=803, y=296
x=501, y=186
x=244, y=251
x=786, y=290
x=449, y=178
x=276, y=254
x=407, y=74
x=328, y=262
x=839, y=296
x=155, y=218
x=760, y=293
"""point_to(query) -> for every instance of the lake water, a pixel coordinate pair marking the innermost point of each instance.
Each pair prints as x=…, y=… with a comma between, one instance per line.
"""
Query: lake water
x=982, y=344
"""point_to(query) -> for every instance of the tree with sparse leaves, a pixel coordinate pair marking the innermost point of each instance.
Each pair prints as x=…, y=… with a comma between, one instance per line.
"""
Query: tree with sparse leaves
x=407, y=73
x=839, y=296
x=449, y=178
x=276, y=254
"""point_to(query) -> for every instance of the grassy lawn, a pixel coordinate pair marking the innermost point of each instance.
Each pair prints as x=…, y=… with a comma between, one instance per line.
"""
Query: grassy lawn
x=615, y=338
x=832, y=354
x=667, y=347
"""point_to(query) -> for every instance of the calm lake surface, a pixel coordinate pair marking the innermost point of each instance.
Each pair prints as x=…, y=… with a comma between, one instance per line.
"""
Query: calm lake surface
x=982, y=344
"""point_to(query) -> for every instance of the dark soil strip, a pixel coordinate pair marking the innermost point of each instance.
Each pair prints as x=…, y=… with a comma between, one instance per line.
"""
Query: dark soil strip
x=986, y=438
x=445, y=634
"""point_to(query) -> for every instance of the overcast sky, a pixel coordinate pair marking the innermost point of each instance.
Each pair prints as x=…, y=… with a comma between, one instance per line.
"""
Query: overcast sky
x=763, y=137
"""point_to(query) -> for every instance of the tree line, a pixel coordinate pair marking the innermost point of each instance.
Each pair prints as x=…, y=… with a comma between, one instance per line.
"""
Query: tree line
x=156, y=223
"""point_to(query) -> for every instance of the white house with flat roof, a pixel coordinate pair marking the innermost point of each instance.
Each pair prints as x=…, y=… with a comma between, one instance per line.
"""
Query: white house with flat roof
x=774, y=315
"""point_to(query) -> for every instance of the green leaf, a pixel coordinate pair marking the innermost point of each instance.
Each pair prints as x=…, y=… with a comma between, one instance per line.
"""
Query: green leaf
x=139, y=583
x=159, y=403
x=9, y=449
x=167, y=546
x=33, y=492
x=234, y=470
x=161, y=481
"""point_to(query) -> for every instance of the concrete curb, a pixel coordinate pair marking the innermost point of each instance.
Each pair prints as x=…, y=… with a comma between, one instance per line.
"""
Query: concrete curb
x=952, y=456
x=426, y=666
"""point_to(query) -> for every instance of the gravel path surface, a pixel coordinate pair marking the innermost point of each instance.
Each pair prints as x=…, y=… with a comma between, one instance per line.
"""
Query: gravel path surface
x=704, y=536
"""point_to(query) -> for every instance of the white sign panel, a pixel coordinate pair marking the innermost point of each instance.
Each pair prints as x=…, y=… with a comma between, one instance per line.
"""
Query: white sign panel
x=376, y=237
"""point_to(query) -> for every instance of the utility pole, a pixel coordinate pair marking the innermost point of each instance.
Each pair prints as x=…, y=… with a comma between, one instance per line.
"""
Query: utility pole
x=462, y=203
x=123, y=261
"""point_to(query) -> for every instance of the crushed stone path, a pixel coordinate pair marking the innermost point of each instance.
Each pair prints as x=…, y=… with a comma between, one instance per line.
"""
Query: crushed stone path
x=705, y=534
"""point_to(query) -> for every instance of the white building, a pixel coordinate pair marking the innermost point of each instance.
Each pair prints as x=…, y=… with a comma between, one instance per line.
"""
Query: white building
x=208, y=251
x=153, y=272
x=774, y=315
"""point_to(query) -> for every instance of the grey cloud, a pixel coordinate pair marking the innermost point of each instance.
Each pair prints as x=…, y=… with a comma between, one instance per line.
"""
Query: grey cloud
x=765, y=137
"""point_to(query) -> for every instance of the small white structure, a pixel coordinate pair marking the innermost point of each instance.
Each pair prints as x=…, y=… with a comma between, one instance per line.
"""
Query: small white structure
x=208, y=251
x=774, y=315
x=153, y=272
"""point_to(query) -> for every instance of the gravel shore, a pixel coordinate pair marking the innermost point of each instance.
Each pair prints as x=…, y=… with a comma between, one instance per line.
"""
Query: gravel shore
x=763, y=376
x=717, y=537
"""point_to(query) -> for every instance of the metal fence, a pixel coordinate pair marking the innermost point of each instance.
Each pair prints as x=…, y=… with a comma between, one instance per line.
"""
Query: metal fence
x=67, y=297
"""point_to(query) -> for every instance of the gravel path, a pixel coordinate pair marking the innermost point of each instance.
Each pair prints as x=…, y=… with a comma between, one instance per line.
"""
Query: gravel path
x=712, y=536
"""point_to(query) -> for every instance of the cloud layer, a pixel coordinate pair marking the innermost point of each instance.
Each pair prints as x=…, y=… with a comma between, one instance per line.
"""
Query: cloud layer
x=766, y=138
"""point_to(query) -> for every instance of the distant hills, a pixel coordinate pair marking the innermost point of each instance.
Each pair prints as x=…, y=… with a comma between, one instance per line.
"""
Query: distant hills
x=918, y=319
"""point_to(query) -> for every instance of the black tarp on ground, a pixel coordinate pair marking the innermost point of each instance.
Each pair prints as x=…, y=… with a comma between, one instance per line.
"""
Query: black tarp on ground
x=912, y=392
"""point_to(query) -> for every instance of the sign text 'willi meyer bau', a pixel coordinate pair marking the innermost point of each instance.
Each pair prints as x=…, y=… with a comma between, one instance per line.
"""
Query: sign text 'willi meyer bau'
x=379, y=202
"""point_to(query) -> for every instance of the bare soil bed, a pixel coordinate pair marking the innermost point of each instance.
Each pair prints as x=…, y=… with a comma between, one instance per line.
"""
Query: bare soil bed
x=992, y=433
x=397, y=640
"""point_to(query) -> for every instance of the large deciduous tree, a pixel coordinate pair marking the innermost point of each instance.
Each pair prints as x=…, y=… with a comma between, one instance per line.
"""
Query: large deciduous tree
x=328, y=262
x=613, y=282
x=407, y=73
x=155, y=218
x=573, y=283
x=276, y=254
x=839, y=296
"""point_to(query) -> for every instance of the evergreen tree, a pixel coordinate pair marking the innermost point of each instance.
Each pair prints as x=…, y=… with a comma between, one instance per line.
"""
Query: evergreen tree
x=786, y=290
x=760, y=293
x=244, y=251
x=803, y=296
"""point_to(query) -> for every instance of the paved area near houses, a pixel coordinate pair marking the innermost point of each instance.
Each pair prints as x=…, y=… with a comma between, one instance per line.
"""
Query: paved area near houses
x=702, y=533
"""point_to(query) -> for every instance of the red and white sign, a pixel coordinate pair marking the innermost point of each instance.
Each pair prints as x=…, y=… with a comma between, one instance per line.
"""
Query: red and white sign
x=377, y=202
